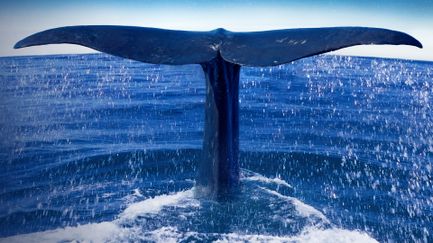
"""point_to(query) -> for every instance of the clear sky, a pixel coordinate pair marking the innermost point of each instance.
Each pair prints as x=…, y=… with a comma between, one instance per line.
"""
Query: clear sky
x=19, y=19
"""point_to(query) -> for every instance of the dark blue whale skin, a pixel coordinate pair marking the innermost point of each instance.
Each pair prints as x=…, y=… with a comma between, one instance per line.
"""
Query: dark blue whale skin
x=221, y=54
x=219, y=168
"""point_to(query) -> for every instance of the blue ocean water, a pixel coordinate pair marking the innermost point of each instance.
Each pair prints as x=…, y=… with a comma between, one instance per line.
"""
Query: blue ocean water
x=99, y=148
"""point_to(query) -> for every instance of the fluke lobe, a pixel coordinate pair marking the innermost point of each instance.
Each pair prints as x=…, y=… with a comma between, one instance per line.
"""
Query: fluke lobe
x=221, y=54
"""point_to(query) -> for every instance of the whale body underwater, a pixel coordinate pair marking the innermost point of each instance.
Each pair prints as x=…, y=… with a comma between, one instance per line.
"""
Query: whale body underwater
x=221, y=54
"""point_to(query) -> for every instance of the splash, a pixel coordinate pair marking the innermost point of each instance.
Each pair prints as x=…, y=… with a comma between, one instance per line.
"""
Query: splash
x=131, y=223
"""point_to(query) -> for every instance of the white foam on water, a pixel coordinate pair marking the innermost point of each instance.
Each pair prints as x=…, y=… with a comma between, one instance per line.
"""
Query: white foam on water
x=97, y=232
x=302, y=209
x=137, y=193
x=261, y=178
x=334, y=235
x=309, y=235
x=168, y=235
x=131, y=198
x=116, y=231
x=154, y=205
x=106, y=231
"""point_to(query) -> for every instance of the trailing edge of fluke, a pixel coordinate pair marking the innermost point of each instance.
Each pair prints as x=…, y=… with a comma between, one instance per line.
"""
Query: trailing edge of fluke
x=263, y=48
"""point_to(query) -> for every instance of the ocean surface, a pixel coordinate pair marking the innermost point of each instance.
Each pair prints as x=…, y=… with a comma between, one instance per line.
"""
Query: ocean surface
x=99, y=148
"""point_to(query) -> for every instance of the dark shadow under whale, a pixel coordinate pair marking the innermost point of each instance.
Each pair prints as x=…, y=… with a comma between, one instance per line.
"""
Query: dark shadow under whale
x=221, y=54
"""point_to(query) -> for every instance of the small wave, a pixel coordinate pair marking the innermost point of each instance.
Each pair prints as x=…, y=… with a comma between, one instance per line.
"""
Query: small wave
x=309, y=235
x=154, y=205
x=96, y=232
x=257, y=177
x=172, y=234
x=110, y=231
x=105, y=231
x=303, y=209
x=131, y=223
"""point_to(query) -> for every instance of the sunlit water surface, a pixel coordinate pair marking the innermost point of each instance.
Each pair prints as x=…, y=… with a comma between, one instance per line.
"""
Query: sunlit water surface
x=98, y=148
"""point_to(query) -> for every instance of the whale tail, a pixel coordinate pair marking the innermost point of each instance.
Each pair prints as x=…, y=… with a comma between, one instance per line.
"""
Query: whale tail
x=264, y=48
x=221, y=54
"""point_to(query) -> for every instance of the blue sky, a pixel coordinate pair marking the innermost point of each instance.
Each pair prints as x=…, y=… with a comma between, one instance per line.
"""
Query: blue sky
x=19, y=19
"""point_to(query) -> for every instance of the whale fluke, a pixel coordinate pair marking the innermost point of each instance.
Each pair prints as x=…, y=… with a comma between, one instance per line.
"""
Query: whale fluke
x=149, y=45
x=276, y=47
x=263, y=48
x=221, y=54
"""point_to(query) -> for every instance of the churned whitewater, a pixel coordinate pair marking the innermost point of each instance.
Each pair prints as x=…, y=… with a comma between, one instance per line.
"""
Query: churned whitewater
x=95, y=148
